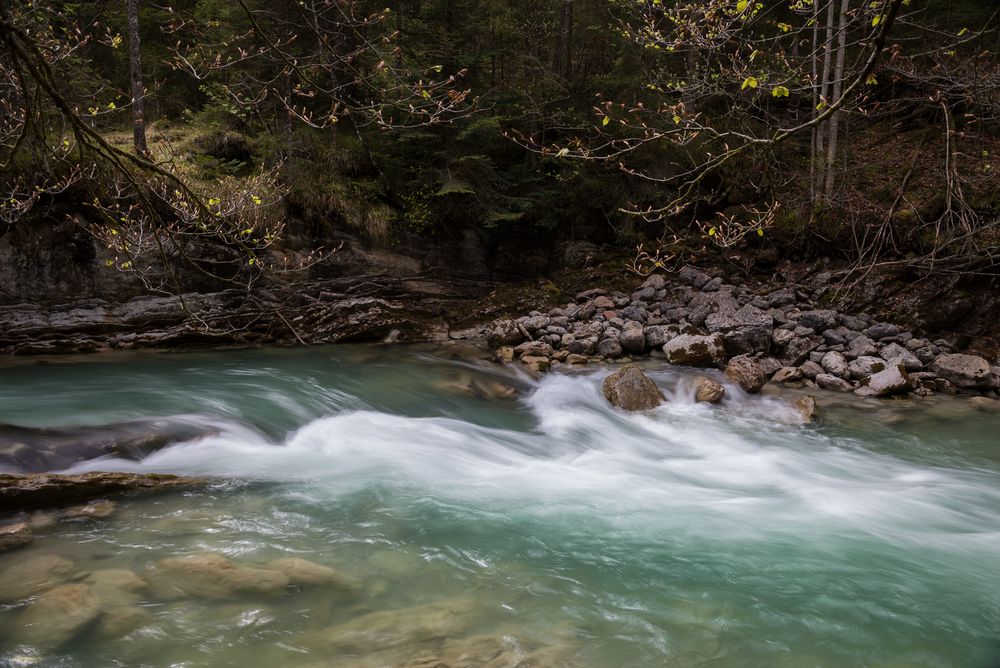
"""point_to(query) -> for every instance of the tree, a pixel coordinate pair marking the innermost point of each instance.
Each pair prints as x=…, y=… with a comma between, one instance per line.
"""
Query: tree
x=135, y=77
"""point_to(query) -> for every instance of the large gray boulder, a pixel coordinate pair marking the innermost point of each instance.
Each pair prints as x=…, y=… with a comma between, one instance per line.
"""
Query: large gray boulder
x=632, y=390
x=893, y=380
x=798, y=348
x=963, y=370
x=862, y=346
x=695, y=350
x=747, y=330
x=746, y=373
x=504, y=332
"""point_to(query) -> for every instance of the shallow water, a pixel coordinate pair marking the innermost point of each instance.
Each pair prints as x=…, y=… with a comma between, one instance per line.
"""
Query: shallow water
x=546, y=528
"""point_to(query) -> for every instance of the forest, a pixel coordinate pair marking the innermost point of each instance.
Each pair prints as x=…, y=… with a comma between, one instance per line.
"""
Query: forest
x=211, y=134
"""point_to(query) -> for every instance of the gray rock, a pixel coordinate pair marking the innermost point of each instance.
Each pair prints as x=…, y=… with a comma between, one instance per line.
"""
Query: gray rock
x=609, y=348
x=633, y=338
x=770, y=365
x=656, y=281
x=818, y=320
x=787, y=374
x=708, y=391
x=504, y=332
x=797, y=350
x=581, y=346
x=14, y=535
x=657, y=335
x=897, y=354
x=893, y=380
x=862, y=346
x=782, y=297
x=881, y=330
x=644, y=294
x=916, y=344
x=533, y=349
x=834, y=337
x=780, y=337
x=926, y=354
x=636, y=313
x=695, y=350
x=830, y=382
x=851, y=322
x=746, y=373
x=834, y=363
x=713, y=285
x=632, y=390
x=535, y=323
x=865, y=366
x=746, y=330
x=963, y=370
x=691, y=276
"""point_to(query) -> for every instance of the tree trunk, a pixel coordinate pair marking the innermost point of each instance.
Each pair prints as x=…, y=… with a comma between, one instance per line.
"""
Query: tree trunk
x=135, y=65
x=824, y=90
x=813, y=148
x=566, y=40
x=838, y=75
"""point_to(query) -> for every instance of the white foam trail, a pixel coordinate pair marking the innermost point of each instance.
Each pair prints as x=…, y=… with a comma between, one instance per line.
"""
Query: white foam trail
x=732, y=470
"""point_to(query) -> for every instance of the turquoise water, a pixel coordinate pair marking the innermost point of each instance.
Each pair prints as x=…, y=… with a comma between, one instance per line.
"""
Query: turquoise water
x=545, y=529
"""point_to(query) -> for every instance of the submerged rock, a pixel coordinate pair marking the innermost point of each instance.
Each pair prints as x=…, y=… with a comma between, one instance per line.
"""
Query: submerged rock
x=26, y=576
x=15, y=535
x=307, y=573
x=33, y=449
x=50, y=490
x=708, y=391
x=59, y=614
x=632, y=390
x=211, y=576
x=747, y=373
x=378, y=631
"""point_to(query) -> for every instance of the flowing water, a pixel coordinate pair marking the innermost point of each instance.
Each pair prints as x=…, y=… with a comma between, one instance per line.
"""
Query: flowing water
x=546, y=529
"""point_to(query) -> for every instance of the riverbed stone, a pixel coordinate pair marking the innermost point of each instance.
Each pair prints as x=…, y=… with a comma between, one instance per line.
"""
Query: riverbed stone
x=630, y=389
x=985, y=404
x=818, y=320
x=787, y=374
x=115, y=586
x=211, y=576
x=881, y=330
x=861, y=346
x=893, y=380
x=965, y=371
x=633, y=338
x=811, y=369
x=504, y=332
x=746, y=373
x=806, y=407
x=798, y=349
x=828, y=381
x=59, y=614
x=836, y=364
x=865, y=366
x=14, y=534
x=695, y=350
x=747, y=330
x=23, y=577
x=536, y=364
x=610, y=348
x=708, y=391
x=302, y=572
x=894, y=354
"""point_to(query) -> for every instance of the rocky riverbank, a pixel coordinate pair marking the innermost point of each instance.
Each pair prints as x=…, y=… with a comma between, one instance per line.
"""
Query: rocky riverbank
x=693, y=319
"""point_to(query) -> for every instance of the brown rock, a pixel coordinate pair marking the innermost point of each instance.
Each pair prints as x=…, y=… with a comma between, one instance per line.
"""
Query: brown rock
x=632, y=390
x=59, y=614
x=806, y=406
x=708, y=391
x=211, y=576
x=746, y=373
x=22, y=578
x=307, y=573
x=14, y=535
x=49, y=490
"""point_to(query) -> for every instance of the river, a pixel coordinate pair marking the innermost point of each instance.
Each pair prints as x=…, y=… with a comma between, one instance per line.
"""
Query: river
x=473, y=527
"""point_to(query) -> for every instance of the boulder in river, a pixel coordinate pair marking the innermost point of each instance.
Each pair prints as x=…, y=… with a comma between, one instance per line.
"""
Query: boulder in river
x=630, y=389
x=893, y=380
x=806, y=407
x=14, y=535
x=963, y=370
x=708, y=391
x=828, y=381
x=695, y=350
x=746, y=373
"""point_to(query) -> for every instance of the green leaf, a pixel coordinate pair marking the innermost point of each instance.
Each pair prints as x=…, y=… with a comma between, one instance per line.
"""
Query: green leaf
x=749, y=82
x=607, y=119
x=780, y=91
x=760, y=233
x=711, y=232
x=741, y=6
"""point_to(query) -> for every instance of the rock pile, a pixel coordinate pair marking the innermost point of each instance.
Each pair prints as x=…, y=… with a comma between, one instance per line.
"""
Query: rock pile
x=698, y=320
